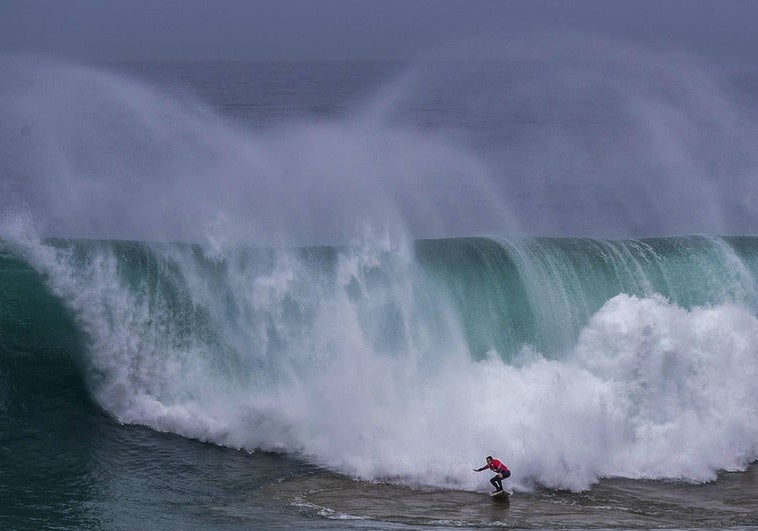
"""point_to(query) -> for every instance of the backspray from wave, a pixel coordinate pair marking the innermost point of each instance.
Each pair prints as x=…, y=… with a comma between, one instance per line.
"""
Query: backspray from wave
x=380, y=358
x=93, y=154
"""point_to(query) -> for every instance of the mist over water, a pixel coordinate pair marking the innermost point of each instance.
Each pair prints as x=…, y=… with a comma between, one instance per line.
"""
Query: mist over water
x=94, y=154
x=594, y=137
x=580, y=137
x=573, y=359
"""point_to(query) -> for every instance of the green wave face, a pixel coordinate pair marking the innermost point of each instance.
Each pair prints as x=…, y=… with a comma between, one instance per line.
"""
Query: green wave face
x=503, y=293
x=543, y=291
x=31, y=318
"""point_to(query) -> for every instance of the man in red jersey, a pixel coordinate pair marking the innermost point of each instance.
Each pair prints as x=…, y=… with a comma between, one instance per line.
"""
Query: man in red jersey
x=501, y=472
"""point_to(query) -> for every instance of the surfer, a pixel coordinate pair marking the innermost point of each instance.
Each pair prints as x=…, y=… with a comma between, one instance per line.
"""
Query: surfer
x=501, y=472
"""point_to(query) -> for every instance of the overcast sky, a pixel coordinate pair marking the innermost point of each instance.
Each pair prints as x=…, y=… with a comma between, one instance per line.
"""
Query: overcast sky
x=113, y=30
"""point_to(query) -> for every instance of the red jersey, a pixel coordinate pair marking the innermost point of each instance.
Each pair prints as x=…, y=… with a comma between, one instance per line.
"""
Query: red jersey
x=497, y=466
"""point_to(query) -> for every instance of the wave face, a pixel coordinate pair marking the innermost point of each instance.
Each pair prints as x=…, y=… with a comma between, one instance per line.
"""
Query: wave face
x=570, y=359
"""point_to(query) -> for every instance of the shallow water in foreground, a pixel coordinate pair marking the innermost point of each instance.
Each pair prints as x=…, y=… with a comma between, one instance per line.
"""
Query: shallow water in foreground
x=112, y=476
x=612, y=503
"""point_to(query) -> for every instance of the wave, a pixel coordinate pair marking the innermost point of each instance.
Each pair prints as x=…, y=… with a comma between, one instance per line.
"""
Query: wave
x=570, y=359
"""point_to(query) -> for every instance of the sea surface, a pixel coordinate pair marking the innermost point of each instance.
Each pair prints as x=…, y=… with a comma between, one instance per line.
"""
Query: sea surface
x=317, y=295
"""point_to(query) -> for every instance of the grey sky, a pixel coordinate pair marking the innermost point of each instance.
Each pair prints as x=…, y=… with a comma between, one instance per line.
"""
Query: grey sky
x=354, y=29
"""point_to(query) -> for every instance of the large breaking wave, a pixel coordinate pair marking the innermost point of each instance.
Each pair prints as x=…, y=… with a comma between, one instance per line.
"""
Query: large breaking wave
x=571, y=359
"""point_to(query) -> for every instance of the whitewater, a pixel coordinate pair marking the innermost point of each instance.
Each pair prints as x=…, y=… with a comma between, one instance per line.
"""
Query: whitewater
x=372, y=298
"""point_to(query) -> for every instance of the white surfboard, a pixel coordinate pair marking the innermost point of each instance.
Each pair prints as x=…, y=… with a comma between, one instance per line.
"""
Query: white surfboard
x=502, y=493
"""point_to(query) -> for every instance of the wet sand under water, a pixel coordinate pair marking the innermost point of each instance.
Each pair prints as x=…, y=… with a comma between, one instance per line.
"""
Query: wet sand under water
x=729, y=502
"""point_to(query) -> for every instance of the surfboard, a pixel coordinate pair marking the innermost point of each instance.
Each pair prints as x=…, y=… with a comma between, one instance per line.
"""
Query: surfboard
x=501, y=493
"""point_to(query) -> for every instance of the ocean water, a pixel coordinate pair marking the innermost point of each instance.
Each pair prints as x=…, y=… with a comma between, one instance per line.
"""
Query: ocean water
x=287, y=295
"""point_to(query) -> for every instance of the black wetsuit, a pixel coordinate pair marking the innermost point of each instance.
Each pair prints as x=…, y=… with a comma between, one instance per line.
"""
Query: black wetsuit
x=501, y=473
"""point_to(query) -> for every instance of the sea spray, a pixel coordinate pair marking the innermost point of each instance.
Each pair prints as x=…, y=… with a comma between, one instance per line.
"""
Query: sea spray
x=683, y=380
x=92, y=153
